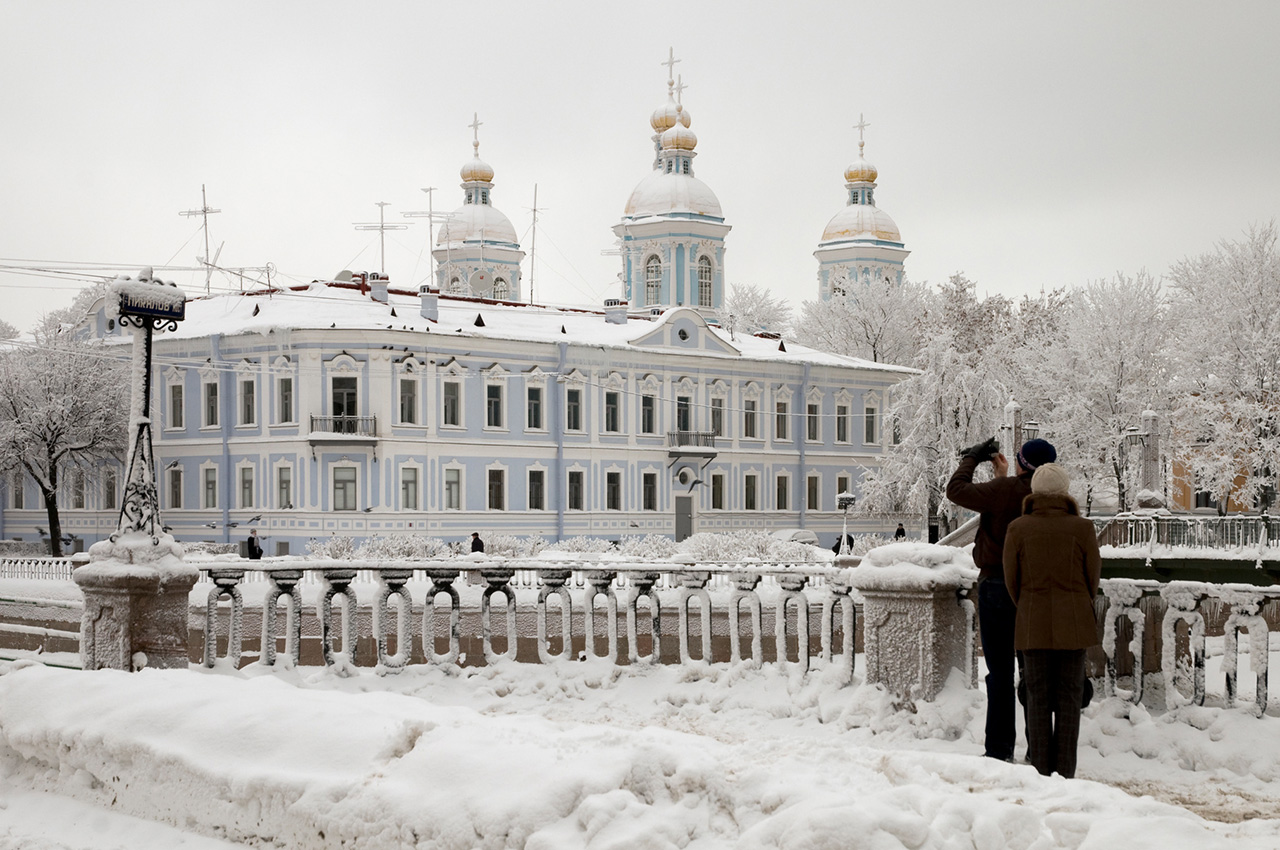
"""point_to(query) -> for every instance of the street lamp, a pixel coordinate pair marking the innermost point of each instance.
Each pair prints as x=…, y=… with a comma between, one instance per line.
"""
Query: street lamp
x=1030, y=430
x=845, y=501
x=1147, y=439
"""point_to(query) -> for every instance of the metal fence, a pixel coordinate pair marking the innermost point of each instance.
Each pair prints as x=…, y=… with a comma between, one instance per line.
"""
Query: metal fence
x=1207, y=532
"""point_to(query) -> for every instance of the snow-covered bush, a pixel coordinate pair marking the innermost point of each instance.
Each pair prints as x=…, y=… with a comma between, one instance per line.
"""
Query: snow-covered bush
x=864, y=543
x=331, y=547
x=204, y=547
x=737, y=546
x=506, y=546
x=582, y=544
x=654, y=546
x=402, y=547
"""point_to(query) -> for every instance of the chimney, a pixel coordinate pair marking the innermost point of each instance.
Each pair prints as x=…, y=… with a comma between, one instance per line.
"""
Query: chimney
x=378, y=287
x=430, y=302
x=615, y=311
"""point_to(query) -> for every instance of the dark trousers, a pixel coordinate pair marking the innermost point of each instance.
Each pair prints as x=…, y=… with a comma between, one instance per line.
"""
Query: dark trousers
x=996, y=618
x=1055, y=686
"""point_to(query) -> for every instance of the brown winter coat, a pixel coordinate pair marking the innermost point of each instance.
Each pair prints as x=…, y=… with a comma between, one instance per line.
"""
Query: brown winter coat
x=1051, y=567
x=998, y=502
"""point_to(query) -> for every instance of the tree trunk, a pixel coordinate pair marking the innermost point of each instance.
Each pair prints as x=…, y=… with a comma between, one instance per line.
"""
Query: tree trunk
x=55, y=523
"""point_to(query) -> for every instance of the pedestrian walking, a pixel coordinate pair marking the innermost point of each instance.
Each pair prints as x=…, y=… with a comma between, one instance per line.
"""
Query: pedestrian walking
x=477, y=545
x=998, y=503
x=1051, y=568
x=254, y=546
x=900, y=534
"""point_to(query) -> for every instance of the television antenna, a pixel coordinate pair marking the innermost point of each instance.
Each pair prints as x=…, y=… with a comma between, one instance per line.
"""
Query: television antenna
x=432, y=217
x=204, y=212
x=382, y=227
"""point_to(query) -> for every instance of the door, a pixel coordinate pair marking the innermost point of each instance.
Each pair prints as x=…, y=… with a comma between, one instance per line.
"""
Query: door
x=344, y=405
x=684, y=517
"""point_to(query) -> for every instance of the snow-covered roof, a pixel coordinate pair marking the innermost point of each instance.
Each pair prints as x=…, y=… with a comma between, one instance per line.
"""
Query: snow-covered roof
x=861, y=221
x=476, y=223
x=662, y=194
x=325, y=305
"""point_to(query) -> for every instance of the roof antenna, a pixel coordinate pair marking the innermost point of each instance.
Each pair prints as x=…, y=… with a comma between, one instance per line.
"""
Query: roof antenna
x=382, y=227
x=431, y=216
x=204, y=212
x=533, y=245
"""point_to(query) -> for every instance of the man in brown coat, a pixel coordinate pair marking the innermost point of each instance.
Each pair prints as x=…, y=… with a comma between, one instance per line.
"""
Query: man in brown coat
x=1051, y=568
x=998, y=503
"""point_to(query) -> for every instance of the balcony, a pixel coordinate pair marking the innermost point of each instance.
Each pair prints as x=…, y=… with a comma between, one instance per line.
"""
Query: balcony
x=701, y=444
x=344, y=430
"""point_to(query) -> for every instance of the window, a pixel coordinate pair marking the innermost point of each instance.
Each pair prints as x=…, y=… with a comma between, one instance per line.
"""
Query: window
x=537, y=490
x=749, y=493
x=344, y=488
x=345, y=406
x=611, y=418
x=210, y=488
x=871, y=426
x=648, y=414
x=284, y=488
x=704, y=282
x=717, y=417
x=783, y=500
x=409, y=401
x=649, y=487
x=493, y=405
x=1204, y=499
x=811, y=493
x=842, y=423
x=683, y=418
x=717, y=492
x=573, y=410
x=409, y=488
x=15, y=488
x=613, y=491
x=109, y=488
x=652, y=281
x=77, y=489
x=248, y=406
x=211, y=405
x=575, y=489
x=500, y=289
x=286, y=399
x=497, y=490
x=897, y=430
x=842, y=484
x=453, y=489
x=451, y=404
x=749, y=416
x=175, y=488
x=811, y=422
x=533, y=408
x=175, y=405
x=780, y=420
x=246, y=486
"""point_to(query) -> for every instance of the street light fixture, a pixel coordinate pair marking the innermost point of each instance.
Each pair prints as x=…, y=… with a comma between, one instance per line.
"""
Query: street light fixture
x=845, y=501
x=1030, y=430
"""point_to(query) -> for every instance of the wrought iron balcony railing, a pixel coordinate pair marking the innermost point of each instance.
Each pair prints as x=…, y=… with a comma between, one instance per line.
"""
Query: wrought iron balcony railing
x=691, y=439
x=360, y=426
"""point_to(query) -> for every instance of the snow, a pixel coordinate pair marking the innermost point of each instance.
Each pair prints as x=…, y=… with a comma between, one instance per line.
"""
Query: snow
x=914, y=566
x=590, y=755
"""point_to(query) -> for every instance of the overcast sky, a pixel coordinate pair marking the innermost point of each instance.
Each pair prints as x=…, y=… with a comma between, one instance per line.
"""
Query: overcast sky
x=1028, y=145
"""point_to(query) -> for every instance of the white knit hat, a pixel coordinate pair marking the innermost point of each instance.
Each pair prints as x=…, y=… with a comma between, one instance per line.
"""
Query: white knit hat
x=1051, y=479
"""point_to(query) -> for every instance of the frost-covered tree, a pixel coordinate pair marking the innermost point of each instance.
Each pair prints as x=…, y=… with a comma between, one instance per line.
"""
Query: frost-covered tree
x=877, y=321
x=750, y=309
x=956, y=400
x=63, y=403
x=1088, y=366
x=1227, y=304
x=7, y=331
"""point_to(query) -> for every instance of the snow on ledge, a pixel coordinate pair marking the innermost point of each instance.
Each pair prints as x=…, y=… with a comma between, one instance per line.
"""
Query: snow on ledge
x=914, y=566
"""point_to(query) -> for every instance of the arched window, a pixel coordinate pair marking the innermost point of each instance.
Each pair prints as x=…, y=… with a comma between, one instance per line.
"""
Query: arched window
x=652, y=281
x=455, y=284
x=500, y=289
x=704, y=282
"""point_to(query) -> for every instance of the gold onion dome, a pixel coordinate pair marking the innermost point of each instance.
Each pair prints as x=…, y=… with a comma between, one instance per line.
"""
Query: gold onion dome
x=477, y=171
x=861, y=171
x=679, y=137
x=665, y=117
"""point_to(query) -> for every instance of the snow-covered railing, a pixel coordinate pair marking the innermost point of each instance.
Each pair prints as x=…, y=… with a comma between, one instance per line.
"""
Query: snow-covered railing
x=591, y=592
x=36, y=568
x=1196, y=532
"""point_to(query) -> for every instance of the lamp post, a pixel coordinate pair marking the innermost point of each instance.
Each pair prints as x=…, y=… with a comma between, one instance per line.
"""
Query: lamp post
x=845, y=501
x=1012, y=426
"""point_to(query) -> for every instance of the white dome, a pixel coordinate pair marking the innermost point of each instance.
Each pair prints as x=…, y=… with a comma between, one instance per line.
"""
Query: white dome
x=661, y=193
x=861, y=221
x=475, y=222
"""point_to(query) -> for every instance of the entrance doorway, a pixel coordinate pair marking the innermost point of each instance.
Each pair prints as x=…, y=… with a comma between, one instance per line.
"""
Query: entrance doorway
x=684, y=517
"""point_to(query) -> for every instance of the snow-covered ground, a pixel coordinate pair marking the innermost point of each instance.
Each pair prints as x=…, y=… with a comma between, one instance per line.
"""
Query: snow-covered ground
x=589, y=755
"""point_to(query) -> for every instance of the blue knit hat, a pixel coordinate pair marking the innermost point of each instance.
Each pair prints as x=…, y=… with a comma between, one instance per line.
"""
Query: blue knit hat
x=1036, y=453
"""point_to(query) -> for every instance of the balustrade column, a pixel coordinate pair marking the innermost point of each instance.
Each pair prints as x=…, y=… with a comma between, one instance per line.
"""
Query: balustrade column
x=1182, y=601
x=642, y=588
x=693, y=585
x=283, y=583
x=226, y=582
x=337, y=582
x=553, y=585
x=498, y=581
x=1122, y=603
x=1245, y=615
x=839, y=589
x=391, y=582
x=441, y=582
x=744, y=590
x=792, y=585
x=600, y=583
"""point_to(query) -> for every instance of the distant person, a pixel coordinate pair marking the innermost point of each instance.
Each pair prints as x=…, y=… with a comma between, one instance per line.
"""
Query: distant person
x=900, y=534
x=477, y=545
x=255, y=547
x=998, y=503
x=1051, y=568
x=848, y=538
